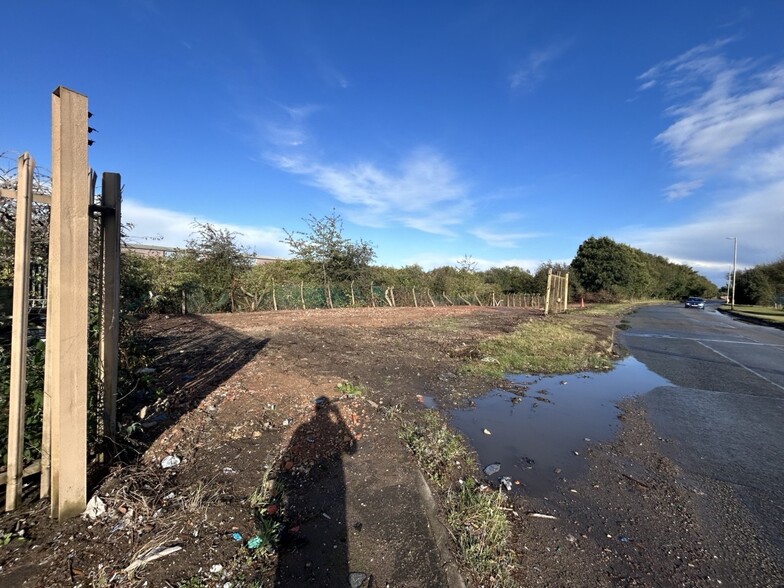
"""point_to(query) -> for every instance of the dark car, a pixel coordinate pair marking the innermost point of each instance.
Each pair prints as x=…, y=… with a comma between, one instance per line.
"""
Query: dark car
x=694, y=302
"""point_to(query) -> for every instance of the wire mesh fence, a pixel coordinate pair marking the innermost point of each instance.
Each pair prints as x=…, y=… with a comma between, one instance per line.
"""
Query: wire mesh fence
x=293, y=296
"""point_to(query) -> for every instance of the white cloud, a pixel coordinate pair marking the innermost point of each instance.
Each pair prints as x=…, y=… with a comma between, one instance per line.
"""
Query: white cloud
x=728, y=127
x=680, y=190
x=720, y=106
x=501, y=239
x=533, y=68
x=422, y=192
x=755, y=217
x=158, y=226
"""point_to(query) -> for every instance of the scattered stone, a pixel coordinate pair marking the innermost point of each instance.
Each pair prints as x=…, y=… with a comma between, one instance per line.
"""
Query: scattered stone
x=216, y=569
x=356, y=579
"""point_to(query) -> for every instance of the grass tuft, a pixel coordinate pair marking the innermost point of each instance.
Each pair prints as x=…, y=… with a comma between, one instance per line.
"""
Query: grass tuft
x=545, y=346
x=482, y=531
x=474, y=514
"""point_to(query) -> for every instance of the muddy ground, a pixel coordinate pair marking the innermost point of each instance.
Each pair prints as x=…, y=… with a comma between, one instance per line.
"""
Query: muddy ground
x=298, y=397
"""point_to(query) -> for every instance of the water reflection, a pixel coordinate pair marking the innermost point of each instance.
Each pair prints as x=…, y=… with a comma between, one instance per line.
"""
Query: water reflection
x=539, y=426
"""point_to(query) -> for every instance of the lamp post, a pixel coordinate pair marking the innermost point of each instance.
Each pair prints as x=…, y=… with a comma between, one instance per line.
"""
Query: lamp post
x=734, y=267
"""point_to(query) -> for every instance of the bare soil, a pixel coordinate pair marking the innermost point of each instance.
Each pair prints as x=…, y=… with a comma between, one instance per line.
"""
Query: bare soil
x=250, y=405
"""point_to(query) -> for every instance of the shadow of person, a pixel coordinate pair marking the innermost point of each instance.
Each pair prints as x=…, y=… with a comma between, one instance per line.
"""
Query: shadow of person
x=313, y=547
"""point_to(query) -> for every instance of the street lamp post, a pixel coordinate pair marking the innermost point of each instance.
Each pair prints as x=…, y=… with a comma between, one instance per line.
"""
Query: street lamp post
x=734, y=267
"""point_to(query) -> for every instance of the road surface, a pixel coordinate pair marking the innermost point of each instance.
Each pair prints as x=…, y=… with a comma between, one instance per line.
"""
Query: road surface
x=724, y=413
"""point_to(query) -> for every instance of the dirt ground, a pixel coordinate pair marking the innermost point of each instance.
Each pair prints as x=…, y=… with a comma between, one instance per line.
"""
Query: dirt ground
x=281, y=421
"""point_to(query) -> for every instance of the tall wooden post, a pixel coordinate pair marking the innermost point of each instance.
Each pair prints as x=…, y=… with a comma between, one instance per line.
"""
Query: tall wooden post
x=65, y=381
x=547, y=294
x=566, y=292
x=18, y=384
x=110, y=315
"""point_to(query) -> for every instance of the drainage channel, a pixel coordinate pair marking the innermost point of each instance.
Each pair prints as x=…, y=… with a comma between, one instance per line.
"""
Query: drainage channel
x=534, y=432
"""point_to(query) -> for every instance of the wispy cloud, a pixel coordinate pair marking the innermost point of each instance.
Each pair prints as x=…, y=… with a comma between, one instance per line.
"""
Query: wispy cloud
x=534, y=67
x=287, y=127
x=680, y=190
x=423, y=191
x=720, y=106
x=502, y=239
x=159, y=226
x=755, y=217
x=728, y=128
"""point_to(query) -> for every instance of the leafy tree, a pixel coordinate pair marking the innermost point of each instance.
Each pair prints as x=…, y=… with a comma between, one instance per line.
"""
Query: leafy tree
x=217, y=261
x=602, y=265
x=335, y=257
x=510, y=279
x=753, y=287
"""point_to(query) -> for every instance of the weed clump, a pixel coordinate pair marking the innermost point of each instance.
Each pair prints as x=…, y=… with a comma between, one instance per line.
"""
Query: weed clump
x=475, y=514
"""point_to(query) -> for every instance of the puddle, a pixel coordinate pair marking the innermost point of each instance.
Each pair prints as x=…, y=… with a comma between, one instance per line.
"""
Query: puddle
x=539, y=423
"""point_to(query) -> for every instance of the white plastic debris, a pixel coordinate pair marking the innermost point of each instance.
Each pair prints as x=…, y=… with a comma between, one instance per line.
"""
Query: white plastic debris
x=151, y=555
x=216, y=569
x=506, y=482
x=492, y=469
x=486, y=431
x=170, y=461
x=95, y=508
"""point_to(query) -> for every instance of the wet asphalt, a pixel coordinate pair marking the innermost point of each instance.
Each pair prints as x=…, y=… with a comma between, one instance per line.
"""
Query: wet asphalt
x=724, y=411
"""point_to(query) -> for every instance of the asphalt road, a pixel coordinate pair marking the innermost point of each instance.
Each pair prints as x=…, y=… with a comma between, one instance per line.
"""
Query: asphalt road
x=724, y=411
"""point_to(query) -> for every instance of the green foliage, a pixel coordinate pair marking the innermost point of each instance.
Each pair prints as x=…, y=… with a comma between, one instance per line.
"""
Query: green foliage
x=762, y=284
x=332, y=256
x=215, y=260
x=611, y=271
x=754, y=287
x=475, y=514
x=34, y=401
x=350, y=389
x=541, y=347
x=510, y=279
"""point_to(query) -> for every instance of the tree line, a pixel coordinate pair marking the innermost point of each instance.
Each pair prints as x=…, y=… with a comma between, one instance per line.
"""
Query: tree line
x=762, y=284
x=214, y=273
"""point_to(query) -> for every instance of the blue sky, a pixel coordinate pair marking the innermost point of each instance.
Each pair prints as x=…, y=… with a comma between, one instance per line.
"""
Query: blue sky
x=507, y=131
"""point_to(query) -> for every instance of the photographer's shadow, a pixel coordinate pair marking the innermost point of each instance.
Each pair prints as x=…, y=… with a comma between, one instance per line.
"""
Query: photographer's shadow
x=314, y=548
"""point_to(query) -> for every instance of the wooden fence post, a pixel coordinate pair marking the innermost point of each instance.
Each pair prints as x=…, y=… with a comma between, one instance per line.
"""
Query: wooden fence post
x=65, y=380
x=110, y=315
x=566, y=292
x=547, y=294
x=18, y=383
